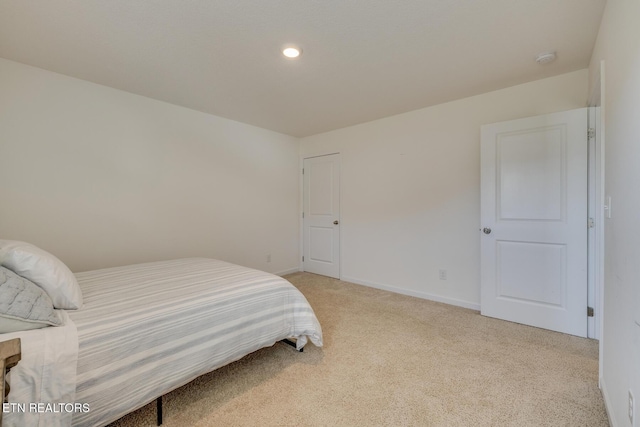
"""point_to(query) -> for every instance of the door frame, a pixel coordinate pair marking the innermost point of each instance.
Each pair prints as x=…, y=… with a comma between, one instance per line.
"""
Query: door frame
x=595, y=235
x=597, y=100
x=301, y=210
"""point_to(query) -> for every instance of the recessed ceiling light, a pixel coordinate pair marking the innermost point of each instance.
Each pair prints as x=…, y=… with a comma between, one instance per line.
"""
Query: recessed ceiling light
x=291, y=52
x=545, y=58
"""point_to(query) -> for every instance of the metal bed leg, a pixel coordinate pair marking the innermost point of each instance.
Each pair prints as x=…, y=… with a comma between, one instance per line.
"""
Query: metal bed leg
x=159, y=410
x=159, y=399
x=292, y=344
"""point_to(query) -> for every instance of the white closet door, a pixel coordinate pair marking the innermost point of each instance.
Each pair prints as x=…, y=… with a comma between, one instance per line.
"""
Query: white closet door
x=321, y=222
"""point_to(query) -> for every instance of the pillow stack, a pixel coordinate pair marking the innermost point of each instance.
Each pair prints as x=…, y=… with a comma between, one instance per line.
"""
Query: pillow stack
x=32, y=284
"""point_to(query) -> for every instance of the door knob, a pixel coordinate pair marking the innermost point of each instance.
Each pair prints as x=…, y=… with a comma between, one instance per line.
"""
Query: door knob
x=486, y=230
x=336, y=222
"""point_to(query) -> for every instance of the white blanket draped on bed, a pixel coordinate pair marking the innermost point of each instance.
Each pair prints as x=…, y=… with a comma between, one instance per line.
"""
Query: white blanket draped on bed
x=147, y=329
x=45, y=375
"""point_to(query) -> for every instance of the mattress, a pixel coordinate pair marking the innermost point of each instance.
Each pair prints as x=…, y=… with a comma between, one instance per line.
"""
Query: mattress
x=147, y=329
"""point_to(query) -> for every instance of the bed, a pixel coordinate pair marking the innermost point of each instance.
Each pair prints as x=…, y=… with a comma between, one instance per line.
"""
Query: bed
x=144, y=330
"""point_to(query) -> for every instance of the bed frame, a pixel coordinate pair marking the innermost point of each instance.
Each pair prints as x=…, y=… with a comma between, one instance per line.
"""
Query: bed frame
x=159, y=399
x=10, y=355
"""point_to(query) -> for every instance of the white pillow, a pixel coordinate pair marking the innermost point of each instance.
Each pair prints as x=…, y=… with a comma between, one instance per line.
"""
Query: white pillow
x=43, y=269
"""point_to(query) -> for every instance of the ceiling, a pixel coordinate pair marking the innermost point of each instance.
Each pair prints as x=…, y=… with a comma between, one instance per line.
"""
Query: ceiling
x=362, y=59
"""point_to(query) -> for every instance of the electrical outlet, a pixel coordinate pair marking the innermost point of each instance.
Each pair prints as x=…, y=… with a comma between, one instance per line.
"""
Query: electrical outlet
x=268, y=257
x=631, y=407
x=442, y=274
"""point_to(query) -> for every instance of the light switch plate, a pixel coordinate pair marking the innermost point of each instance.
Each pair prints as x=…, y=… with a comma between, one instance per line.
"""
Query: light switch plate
x=607, y=207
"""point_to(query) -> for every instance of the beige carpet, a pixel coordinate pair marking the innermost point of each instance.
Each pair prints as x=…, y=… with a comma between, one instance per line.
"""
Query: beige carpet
x=393, y=360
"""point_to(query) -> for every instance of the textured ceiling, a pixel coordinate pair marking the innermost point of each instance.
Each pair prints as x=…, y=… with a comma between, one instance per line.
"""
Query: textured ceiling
x=362, y=60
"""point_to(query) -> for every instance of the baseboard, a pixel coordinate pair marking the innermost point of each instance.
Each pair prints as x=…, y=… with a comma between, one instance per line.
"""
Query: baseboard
x=289, y=271
x=607, y=401
x=418, y=294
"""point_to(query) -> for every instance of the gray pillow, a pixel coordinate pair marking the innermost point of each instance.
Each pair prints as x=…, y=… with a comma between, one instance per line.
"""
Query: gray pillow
x=24, y=305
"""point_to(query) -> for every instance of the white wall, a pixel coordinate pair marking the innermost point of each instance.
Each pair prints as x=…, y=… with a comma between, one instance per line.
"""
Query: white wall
x=618, y=44
x=410, y=189
x=102, y=177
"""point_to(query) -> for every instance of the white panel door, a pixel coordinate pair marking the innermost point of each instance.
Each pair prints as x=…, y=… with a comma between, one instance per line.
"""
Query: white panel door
x=534, y=221
x=321, y=211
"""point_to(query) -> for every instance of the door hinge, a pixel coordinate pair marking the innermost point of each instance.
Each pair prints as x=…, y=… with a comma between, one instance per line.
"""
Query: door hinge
x=591, y=223
x=302, y=258
x=591, y=133
x=589, y=311
x=302, y=171
x=302, y=214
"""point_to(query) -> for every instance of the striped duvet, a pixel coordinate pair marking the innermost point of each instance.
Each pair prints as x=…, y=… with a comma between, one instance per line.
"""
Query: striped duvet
x=147, y=329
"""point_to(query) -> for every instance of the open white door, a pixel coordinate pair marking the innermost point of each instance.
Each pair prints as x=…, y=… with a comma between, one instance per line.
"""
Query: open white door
x=321, y=215
x=534, y=221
